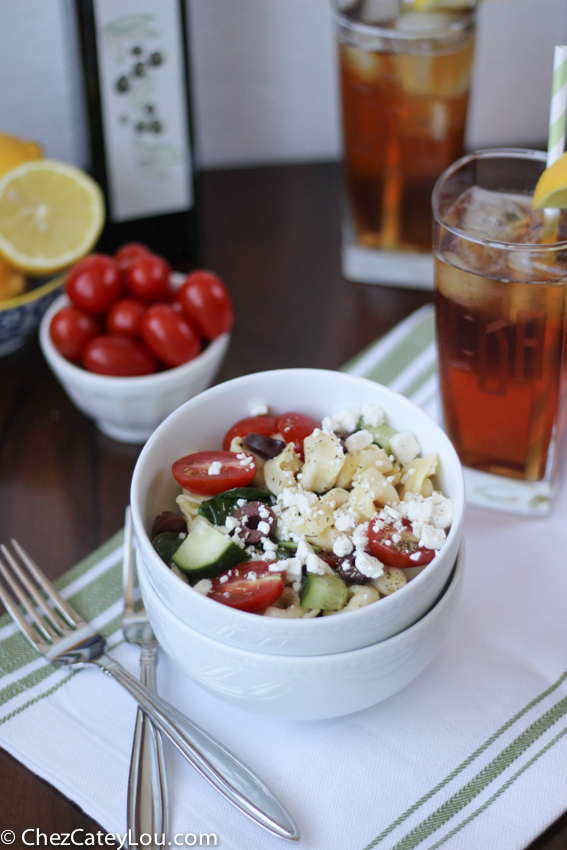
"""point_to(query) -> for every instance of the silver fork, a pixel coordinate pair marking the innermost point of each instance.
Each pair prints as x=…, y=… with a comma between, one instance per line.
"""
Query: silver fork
x=147, y=809
x=66, y=640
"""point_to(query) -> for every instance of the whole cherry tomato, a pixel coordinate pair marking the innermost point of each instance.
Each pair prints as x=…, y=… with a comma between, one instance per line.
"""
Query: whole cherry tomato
x=129, y=252
x=265, y=425
x=147, y=278
x=207, y=303
x=397, y=548
x=192, y=471
x=248, y=587
x=168, y=335
x=119, y=356
x=295, y=427
x=70, y=329
x=125, y=318
x=94, y=283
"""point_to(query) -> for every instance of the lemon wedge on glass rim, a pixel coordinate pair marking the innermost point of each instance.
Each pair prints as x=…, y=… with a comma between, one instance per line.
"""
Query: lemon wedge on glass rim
x=439, y=5
x=51, y=215
x=551, y=188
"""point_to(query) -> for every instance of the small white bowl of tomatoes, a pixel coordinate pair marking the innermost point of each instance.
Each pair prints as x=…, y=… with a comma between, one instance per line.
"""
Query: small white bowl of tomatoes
x=130, y=340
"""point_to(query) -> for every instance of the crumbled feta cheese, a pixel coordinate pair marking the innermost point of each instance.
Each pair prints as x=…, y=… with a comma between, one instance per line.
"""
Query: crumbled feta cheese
x=368, y=565
x=415, y=557
x=215, y=468
x=263, y=512
x=372, y=415
x=360, y=536
x=259, y=410
x=345, y=519
x=432, y=538
x=204, y=586
x=252, y=576
x=182, y=535
x=292, y=567
x=343, y=422
x=442, y=514
x=317, y=565
x=404, y=446
x=231, y=523
x=222, y=580
x=420, y=510
x=264, y=527
x=358, y=441
x=342, y=546
x=240, y=503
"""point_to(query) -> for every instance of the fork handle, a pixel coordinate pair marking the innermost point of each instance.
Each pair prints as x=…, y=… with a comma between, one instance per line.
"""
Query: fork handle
x=147, y=810
x=236, y=782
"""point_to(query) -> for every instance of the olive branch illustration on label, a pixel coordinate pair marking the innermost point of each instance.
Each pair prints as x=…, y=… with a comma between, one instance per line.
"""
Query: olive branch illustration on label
x=125, y=39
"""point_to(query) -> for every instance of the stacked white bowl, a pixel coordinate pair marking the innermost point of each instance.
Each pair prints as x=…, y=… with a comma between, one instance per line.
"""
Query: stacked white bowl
x=294, y=668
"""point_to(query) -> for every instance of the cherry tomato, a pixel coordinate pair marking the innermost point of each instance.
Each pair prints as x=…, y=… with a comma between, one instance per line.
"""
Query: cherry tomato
x=94, y=284
x=119, y=356
x=207, y=304
x=147, y=278
x=129, y=252
x=249, y=587
x=70, y=329
x=265, y=425
x=192, y=472
x=125, y=317
x=383, y=543
x=169, y=335
x=295, y=427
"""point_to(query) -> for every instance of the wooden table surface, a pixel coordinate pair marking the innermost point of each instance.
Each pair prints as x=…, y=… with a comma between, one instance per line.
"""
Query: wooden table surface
x=273, y=234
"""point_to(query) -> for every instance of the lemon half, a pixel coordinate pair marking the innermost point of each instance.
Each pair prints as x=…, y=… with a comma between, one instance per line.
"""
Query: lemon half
x=51, y=215
x=551, y=188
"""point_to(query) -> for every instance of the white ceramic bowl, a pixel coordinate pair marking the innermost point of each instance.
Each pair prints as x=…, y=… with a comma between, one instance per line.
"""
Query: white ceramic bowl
x=304, y=687
x=201, y=424
x=130, y=409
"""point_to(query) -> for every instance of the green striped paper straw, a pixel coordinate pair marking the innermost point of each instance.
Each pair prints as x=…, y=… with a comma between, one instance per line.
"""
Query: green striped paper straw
x=556, y=140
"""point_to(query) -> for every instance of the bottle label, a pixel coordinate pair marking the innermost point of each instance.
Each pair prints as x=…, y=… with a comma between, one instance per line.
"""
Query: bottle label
x=143, y=91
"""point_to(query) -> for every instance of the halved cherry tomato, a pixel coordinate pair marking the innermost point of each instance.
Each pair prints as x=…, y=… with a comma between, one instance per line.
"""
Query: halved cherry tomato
x=169, y=335
x=119, y=356
x=265, y=425
x=295, y=427
x=207, y=303
x=192, y=472
x=249, y=587
x=129, y=252
x=94, y=283
x=70, y=329
x=147, y=278
x=125, y=318
x=385, y=545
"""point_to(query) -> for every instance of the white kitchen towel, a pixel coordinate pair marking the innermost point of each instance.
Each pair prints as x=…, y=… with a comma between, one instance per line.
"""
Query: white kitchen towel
x=472, y=754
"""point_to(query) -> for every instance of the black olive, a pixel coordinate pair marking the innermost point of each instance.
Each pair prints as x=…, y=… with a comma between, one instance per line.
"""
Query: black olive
x=253, y=513
x=266, y=447
x=347, y=571
x=168, y=521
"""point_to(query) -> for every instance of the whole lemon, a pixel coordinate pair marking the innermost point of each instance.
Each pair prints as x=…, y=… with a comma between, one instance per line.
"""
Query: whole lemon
x=14, y=152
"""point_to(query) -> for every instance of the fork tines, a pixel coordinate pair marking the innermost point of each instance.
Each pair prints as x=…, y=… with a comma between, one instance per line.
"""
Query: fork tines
x=22, y=574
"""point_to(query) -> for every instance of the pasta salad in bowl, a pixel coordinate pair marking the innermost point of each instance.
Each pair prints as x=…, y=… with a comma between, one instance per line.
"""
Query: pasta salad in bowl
x=298, y=512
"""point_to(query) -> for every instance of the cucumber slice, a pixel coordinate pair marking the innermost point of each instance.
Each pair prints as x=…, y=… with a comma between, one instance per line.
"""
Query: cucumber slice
x=382, y=435
x=328, y=591
x=206, y=553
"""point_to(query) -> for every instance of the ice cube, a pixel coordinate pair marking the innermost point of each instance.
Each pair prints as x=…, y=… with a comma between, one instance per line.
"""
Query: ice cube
x=379, y=12
x=422, y=23
x=365, y=65
x=493, y=215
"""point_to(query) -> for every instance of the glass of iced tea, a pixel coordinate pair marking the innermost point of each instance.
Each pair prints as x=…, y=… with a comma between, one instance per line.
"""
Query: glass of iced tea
x=501, y=300
x=405, y=78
